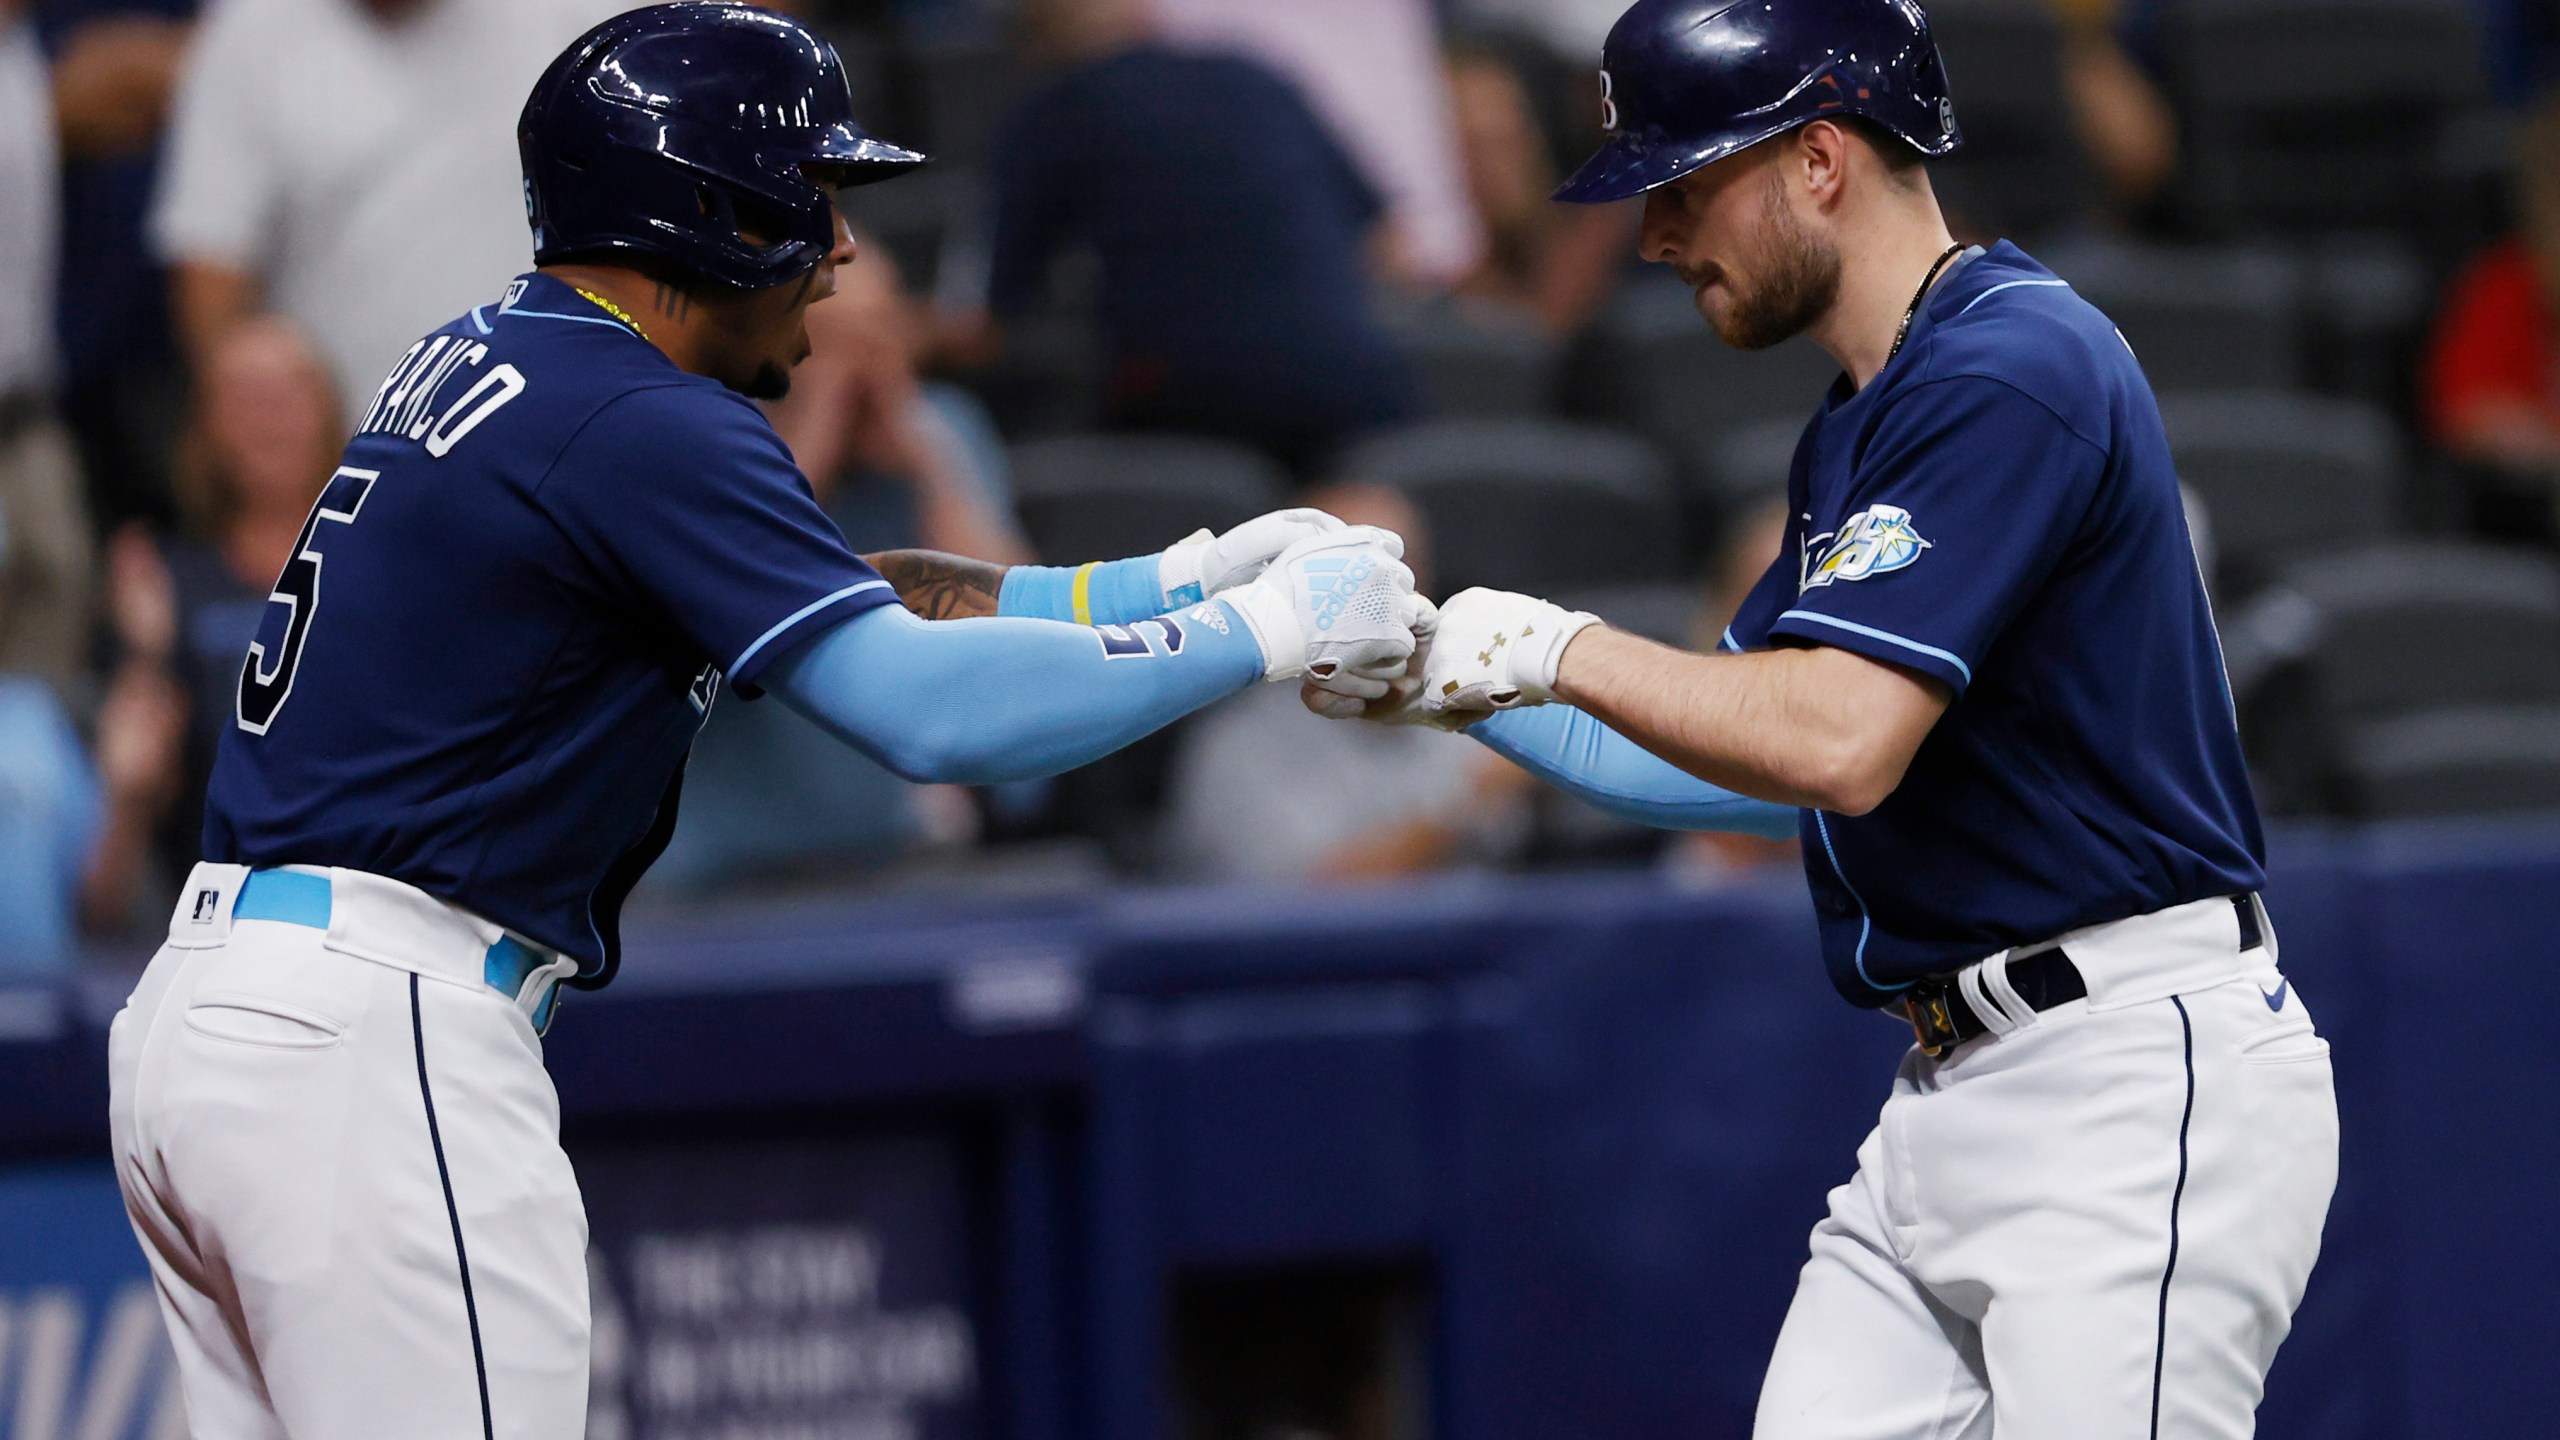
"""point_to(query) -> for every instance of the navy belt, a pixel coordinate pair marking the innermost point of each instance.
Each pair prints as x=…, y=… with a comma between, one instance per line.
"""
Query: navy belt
x=2041, y=974
x=291, y=897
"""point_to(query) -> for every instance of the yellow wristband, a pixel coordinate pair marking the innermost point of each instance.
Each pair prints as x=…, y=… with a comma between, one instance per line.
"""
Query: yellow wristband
x=1080, y=594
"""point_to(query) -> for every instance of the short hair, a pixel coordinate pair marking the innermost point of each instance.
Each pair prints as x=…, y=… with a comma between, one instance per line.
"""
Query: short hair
x=1900, y=156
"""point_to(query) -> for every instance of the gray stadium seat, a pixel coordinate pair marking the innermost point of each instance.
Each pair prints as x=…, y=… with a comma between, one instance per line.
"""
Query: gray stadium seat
x=1103, y=497
x=1665, y=610
x=1749, y=465
x=2283, y=476
x=2338, y=665
x=2311, y=114
x=2457, y=760
x=966, y=90
x=2203, y=319
x=1652, y=364
x=2019, y=173
x=1477, y=360
x=1531, y=504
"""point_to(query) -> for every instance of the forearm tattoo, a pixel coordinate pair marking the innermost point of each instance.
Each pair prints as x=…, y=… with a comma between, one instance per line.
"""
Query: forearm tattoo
x=938, y=586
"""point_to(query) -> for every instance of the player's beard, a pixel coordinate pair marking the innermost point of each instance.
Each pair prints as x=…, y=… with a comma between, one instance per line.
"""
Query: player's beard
x=769, y=382
x=1799, y=279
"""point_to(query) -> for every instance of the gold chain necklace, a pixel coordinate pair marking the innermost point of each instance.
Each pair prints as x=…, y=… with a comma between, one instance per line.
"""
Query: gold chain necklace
x=616, y=311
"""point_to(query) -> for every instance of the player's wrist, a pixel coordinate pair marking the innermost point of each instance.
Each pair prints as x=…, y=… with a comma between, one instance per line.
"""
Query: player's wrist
x=1537, y=654
x=1577, y=653
x=1178, y=570
x=1269, y=616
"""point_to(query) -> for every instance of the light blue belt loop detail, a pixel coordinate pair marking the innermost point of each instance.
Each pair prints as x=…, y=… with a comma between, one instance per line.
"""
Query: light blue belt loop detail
x=290, y=897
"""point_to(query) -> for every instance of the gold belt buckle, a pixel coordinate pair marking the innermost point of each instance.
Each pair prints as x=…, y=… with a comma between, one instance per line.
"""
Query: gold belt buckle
x=1931, y=1021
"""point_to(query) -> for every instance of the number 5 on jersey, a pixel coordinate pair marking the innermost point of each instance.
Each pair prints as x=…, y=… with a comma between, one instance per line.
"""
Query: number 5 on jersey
x=266, y=677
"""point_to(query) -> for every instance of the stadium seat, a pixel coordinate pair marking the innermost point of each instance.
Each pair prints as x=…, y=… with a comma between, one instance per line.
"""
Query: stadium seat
x=1749, y=465
x=2456, y=760
x=2019, y=172
x=966, y=91
x=1477, y=360
x=2365, y=299
x=1531, y=504
x=2338, y=665
x=2310, y=114
x=2203, y=319
x=1664, y=610
x=2282, y=476
x=1650, y=363
x=1101, y=497
x=913, y=222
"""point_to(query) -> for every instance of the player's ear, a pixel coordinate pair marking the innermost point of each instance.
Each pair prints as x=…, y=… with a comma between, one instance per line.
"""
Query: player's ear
x=1820, y=159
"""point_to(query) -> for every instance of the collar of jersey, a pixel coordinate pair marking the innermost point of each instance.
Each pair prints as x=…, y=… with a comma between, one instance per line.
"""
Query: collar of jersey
x=546, y=297
x=1966, y=278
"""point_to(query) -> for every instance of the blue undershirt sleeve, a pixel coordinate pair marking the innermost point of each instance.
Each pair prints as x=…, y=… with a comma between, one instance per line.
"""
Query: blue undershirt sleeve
x=1120, y=592
x=1581, y=756
x=976, y=702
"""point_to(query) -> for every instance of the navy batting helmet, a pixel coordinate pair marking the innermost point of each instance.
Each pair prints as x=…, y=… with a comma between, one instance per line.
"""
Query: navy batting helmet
x=696, y=134
x=1684, y=83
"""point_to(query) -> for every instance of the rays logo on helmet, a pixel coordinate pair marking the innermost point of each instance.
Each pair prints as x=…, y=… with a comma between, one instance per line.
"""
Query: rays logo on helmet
x=1608, y=105
x=1876, y=541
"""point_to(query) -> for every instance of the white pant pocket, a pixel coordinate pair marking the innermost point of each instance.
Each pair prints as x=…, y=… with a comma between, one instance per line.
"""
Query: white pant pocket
x=2284, y=1044
x=262, y=1021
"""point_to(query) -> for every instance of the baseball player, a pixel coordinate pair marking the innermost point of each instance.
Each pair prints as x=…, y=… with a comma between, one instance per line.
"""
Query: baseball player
x=462, y=727
x=1984, y=674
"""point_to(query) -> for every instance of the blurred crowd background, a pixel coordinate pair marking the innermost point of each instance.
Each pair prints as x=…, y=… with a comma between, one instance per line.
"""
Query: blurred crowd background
x=1182, y=261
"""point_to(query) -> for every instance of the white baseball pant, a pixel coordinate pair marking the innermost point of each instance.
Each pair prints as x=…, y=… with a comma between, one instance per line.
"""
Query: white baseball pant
x=341, y=1153
x=2092, y=1224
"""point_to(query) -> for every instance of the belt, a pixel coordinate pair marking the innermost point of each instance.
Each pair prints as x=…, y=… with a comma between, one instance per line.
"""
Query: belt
x=292, y=897
x=2042, y=975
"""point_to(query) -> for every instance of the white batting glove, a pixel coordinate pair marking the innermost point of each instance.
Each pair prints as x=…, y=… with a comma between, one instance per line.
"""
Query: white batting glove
x=1201, y=564
x=1495, y=650
x=1400, y=703
x=1337, y=607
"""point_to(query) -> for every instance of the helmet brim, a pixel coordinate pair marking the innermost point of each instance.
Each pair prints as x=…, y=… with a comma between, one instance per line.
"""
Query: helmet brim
x=854, y=158
x=1629, y=165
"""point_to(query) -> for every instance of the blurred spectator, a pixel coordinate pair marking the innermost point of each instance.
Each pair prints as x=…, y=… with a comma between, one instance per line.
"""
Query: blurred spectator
x=1573, y=29
x=115, y=65
x=1230, y=230
x=1262, y=790
x=1555, y=262
x=266, y=435
x=2117, y=110
x=2492, y=383
x=45, y=554
x=351, y=164
x=896, y=463
x=48, y=811
x=1753, y=539
x=1371, y=69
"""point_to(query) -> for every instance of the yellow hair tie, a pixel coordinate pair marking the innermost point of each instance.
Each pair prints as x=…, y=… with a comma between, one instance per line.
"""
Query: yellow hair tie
x=1081, y=593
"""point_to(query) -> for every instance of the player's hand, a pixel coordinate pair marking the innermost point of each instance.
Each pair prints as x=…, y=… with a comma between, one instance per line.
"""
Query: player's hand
x=1495, y=650
x=1401, y=704
x=1202, y=564
x=1337, y=607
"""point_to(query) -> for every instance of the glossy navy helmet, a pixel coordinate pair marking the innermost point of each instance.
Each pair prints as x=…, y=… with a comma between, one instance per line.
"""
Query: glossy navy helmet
x=1684, y=83
x=680, y=131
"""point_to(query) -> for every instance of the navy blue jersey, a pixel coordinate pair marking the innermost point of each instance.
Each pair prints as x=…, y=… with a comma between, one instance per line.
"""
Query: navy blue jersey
x=508, y=614
x=1997, y=510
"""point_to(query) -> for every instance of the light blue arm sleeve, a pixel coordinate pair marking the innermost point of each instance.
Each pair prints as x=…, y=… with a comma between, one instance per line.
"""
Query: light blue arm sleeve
x=975, y=702
x=1576, y=753
x=1121, y=592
